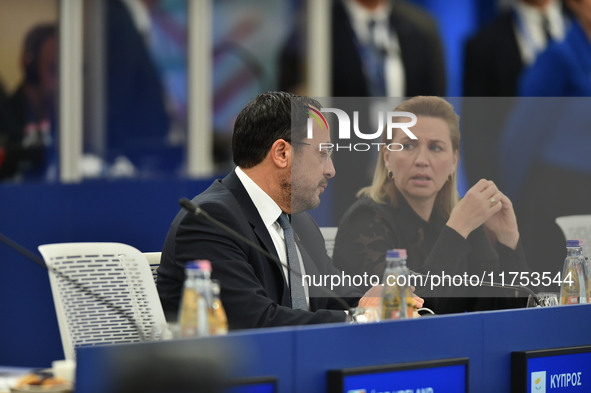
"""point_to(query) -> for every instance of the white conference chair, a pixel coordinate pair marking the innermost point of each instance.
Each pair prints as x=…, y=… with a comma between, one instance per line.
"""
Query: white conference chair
x=577, y=227
x=118, y=273
x=329, y=234
x=154, y=262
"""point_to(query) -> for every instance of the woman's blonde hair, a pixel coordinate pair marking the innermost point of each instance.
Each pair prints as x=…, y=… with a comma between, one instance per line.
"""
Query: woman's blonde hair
x=383, y=190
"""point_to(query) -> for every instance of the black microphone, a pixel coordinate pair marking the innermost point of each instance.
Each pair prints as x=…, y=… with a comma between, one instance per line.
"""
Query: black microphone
x=38, y=260
x=493, y=285
x=198, y=211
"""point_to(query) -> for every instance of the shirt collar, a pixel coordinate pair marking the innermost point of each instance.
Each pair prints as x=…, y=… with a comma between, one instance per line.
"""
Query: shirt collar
x=532, y=16
x=360, y=17
x=268, y=209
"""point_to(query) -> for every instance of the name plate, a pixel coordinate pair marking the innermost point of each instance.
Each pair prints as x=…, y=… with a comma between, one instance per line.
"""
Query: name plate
x=552, y=370
x=437, y=376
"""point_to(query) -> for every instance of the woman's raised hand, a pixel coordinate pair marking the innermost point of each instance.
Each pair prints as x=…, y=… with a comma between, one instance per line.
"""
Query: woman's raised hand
x=504, y=224
x=480, y=203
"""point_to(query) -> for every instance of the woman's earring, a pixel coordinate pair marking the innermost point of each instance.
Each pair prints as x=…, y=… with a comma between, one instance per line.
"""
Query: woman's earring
x=390, y=175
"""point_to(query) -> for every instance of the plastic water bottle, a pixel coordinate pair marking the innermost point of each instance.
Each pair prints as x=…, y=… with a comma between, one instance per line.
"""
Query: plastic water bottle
x=397, y=301
x=575, y=276
x=193, y=313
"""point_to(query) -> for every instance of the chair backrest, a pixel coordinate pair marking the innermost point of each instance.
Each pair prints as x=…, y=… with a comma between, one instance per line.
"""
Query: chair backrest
x=329, y=234
x=577, y=227
x=118, y=273
x=154, y=262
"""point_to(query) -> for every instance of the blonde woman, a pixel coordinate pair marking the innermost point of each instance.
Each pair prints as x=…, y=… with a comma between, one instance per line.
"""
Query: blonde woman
x=413, y=204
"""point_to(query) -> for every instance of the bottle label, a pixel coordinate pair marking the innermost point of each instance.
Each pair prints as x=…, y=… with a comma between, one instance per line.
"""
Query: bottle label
x=572, y=300
x=188, y=313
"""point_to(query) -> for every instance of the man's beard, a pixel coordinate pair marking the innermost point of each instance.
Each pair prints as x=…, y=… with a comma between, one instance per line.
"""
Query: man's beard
x=298, y=200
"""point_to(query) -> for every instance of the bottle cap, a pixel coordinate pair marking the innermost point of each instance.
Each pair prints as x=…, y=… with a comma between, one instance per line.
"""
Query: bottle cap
x=204, y=264
x=193, y=265
x=574, y=243
x=396, y=253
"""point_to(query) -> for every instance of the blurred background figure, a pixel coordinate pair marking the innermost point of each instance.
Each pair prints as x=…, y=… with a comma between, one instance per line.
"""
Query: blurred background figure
x=31, y=151
x=545, y=148
x=136, y=119
x=494, y=58
x=380, y=48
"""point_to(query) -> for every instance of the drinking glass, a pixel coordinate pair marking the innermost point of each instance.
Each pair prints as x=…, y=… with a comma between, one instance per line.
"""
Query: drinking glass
x=545, y=299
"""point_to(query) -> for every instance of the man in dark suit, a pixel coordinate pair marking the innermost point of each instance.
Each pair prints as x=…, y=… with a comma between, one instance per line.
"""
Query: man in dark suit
x=418, y=46
x=278, y=172
x=414, y=37
x=397, y=36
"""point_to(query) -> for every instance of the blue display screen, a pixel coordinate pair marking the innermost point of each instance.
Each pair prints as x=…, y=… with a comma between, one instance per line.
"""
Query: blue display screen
x=560, y=373
x=417, y=378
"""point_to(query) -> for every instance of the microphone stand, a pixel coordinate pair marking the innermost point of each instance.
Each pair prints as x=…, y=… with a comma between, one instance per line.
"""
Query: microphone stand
x=494, y=285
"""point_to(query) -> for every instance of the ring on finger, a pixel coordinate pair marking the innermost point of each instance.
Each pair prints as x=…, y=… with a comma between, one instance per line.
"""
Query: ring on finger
x=493, y=201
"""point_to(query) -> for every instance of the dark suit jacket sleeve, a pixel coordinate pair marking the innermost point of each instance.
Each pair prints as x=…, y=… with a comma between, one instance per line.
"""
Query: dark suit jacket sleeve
x=252, y=287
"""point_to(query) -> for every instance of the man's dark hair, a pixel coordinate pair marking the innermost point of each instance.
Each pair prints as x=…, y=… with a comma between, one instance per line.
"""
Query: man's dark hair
x=264, y=120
